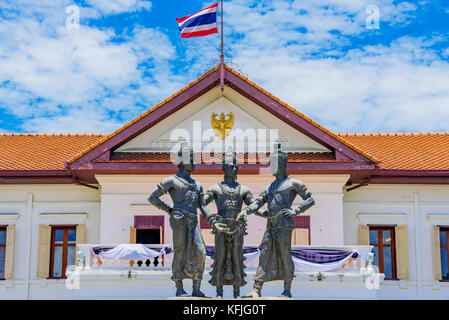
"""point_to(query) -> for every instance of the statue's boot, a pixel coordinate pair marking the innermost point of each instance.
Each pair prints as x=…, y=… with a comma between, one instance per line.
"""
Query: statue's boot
x=180, y=292
x=287, y=289
x=220, y=292
x=196, y=292
x=286, y=294
x=236, y=292
x=257, y=290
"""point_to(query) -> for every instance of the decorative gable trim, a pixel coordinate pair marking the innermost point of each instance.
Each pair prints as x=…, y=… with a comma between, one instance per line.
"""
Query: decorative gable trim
x=293, y=117
x=97, y=159
x=149, y=118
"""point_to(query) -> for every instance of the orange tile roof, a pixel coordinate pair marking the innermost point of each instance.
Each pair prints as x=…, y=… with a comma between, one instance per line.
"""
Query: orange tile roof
x=347, y=143
x=395, y=151
x=164, y=157
x=42, y=151
x=405, y=151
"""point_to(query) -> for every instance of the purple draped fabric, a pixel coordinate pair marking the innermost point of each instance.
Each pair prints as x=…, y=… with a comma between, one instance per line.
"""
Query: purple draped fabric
x=322, y=255
x=310, y=255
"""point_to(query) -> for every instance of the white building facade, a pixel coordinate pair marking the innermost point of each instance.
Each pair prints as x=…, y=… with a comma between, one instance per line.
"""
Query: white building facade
x=62, y=195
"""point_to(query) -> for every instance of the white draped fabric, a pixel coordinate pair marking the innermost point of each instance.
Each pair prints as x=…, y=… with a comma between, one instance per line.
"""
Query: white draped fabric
x=141, y=252
x=130, y=252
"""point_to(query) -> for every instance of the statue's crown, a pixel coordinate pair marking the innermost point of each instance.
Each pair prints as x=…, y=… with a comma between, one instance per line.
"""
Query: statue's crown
x=278, y=153
x=185, y=153
x=230, y=157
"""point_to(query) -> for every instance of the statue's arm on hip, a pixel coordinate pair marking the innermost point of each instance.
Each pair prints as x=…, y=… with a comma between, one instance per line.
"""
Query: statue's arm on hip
x=306, y=195
x=155, y=200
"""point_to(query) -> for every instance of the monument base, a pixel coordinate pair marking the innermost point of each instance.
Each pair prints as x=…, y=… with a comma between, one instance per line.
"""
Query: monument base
x=227, y=299
x=157, y=285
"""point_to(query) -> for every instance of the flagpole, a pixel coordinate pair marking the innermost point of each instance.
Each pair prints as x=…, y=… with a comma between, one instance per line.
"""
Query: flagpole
x=222, y=70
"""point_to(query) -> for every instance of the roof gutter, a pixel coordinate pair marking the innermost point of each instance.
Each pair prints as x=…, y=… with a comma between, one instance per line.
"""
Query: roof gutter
x=76, y=180
x=363, y=184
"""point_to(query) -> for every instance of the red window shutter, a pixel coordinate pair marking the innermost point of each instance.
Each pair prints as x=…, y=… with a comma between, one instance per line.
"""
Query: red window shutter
x=302, y=222
x=148, y=222
x=204, y=224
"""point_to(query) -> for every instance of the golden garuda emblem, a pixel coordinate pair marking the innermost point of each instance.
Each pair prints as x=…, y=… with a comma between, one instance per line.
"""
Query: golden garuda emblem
x=222, y=127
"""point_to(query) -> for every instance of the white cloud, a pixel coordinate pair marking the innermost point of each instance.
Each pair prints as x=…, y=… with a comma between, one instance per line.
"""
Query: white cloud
x=446, y=52
x=119, y=6
x=326, y=22
x=402, y=85
x=69, y=80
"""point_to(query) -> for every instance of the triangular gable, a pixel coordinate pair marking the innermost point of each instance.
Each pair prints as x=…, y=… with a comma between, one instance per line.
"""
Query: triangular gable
x=252, y=128
x=200, y=86
x=103, y=149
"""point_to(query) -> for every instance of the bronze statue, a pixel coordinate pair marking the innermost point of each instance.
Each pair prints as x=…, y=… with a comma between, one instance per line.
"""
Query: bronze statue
x=229, y=195
x=189, y=250
x=275, y=260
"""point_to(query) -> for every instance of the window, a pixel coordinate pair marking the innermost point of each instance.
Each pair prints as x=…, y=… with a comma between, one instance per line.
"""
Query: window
x=63, y=249
x=148, y=236
x=148, y=230
x=383, y=240
x=301, y=232
x=444, y=235
x=2, y=252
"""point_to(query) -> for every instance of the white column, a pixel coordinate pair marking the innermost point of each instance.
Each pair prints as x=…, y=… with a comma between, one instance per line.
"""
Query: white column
x=29, y=242
x=417, y=244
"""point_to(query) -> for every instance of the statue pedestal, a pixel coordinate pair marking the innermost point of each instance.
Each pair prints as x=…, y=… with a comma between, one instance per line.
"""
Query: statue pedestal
x=227, y=299
x=99, y=284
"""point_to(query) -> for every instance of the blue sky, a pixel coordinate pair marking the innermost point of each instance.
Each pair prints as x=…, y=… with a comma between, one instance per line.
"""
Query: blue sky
x=317, y=55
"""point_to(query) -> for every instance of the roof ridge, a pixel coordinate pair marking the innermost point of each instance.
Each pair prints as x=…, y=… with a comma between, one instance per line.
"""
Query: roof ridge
x=391, y=134
x=335, y=136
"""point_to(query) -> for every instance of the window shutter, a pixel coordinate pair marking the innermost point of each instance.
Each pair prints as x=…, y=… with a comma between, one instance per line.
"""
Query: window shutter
x=80, y=239
x=161, y=236
x=436, y=253
x=363, y=235
x=402, y=261
x=132, y=240
x=80, y=234
x=300, y=237
x=43, y=254
x=132, y=235
x=9, y=257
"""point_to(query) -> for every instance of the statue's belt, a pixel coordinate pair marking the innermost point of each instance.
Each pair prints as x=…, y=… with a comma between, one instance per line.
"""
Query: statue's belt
x=230, y=221
x=179, y=214
x=278, y=212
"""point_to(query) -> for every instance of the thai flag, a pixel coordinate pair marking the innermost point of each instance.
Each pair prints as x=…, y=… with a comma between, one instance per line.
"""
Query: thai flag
x=200, y=24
